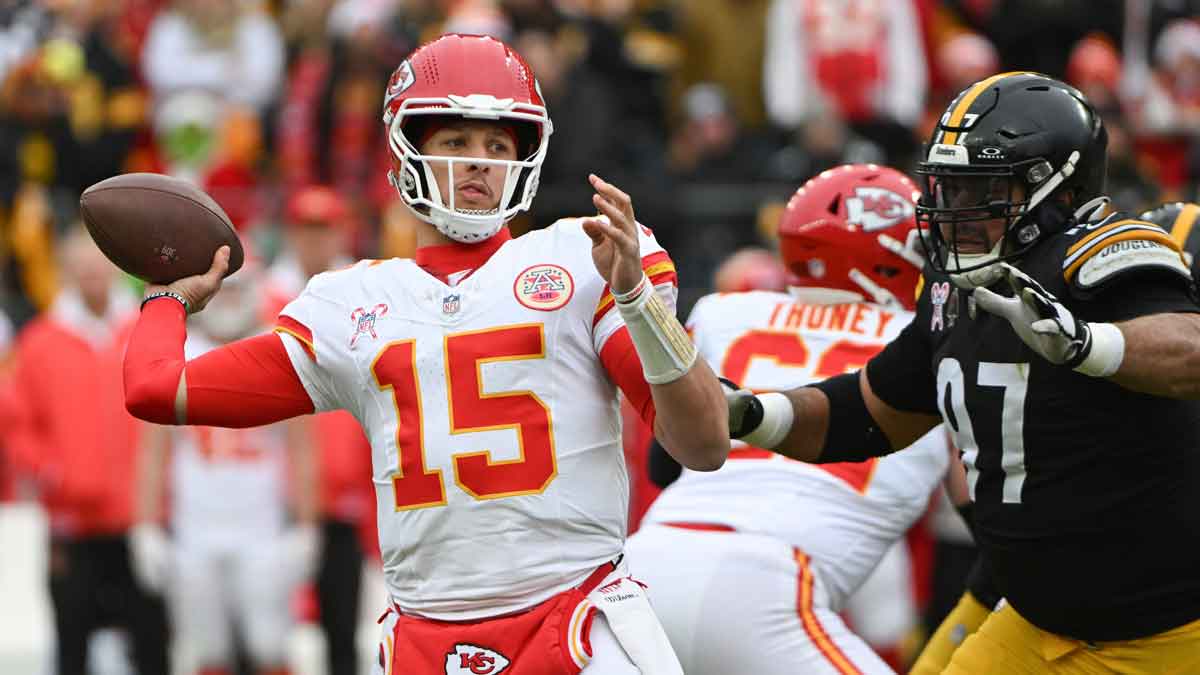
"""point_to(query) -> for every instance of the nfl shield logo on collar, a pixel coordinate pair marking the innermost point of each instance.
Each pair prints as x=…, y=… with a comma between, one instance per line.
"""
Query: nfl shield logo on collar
x=451, y=304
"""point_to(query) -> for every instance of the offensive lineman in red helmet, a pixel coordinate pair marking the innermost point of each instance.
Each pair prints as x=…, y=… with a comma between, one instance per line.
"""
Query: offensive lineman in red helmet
x=797, y=539
x=485, y=374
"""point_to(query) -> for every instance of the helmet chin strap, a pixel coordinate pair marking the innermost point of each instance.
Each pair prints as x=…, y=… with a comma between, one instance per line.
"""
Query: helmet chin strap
x=878, y=294
x=1092, y=209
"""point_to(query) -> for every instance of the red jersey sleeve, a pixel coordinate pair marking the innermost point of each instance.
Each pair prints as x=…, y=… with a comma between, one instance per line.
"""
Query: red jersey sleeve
x=620, y=359
x=246, y=383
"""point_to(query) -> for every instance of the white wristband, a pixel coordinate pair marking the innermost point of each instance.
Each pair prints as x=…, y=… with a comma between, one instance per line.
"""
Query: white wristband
x=776, y=422
x=1108, y=350
x=666, y=351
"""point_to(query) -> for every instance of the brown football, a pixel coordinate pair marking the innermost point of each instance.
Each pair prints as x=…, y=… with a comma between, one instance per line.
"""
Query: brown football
x=158, y=228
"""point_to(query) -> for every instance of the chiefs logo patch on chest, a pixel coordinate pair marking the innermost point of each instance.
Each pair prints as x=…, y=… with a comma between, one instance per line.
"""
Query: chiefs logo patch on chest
x=544, y=287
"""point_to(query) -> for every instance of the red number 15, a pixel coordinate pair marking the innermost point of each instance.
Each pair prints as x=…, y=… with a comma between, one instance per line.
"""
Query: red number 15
x=470, y=409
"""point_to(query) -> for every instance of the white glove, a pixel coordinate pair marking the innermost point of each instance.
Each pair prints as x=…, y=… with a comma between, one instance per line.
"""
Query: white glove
x=150, y=556
x=302, y=551
x=1050, y=329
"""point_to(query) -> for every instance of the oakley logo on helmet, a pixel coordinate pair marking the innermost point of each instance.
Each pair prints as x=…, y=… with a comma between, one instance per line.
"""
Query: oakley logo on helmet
x=874, y=208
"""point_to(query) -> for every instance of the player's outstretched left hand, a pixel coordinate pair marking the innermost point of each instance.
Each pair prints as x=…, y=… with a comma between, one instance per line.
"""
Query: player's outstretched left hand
x=1042, y=322
x=615, y=248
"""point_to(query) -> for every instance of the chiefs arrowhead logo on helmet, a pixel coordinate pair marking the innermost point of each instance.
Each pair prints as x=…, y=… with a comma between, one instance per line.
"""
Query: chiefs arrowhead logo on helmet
x=876, y=208
x=402, y=79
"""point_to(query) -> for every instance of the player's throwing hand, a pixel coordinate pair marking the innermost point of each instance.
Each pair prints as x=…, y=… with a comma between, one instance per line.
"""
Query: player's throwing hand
x=615, y=249
x=197, y=290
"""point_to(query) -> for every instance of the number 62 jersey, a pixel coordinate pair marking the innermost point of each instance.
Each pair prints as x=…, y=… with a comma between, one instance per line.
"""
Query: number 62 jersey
x=844, y=516
x=491, y=411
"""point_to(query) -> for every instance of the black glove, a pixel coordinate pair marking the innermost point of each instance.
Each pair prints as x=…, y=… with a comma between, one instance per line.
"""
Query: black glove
x=745, y=410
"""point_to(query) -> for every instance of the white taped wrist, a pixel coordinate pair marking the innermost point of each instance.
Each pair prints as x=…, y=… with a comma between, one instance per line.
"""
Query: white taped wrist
x=666, y=351
x=776, y=422
x=1108, y=351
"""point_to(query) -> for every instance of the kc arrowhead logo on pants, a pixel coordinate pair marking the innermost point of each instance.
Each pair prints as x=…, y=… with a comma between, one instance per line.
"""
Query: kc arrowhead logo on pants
x=468, y=659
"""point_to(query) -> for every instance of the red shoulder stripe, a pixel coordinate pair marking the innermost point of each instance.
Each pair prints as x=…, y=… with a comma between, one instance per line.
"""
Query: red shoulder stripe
x=290, y=326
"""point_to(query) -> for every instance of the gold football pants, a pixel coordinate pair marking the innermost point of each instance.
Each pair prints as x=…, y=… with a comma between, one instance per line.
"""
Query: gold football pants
x=1007, y=643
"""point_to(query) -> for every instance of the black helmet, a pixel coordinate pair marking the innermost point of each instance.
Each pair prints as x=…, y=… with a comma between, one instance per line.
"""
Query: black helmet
x=1005, y=148
x=1179, y=220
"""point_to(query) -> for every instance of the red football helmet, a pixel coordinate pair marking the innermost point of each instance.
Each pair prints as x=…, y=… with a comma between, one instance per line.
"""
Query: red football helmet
x=475, y=77
x=853, y=228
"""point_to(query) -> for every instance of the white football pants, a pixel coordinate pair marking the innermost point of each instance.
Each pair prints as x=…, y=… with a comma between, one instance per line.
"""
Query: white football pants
x=735, y=603
x=217, y=590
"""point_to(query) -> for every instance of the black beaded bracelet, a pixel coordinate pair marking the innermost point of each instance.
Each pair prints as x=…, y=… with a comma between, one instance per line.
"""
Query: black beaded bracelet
x=165, y=294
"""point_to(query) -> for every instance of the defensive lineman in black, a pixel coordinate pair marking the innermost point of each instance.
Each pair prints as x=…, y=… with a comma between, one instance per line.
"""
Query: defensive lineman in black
x=1062, y=348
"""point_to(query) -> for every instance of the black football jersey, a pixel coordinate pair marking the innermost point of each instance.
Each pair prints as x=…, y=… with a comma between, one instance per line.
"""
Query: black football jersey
x=1087, y=494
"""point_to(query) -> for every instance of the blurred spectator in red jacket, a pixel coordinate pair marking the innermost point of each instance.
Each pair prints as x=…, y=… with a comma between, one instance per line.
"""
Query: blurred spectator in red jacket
x=1169, y=112
x=79, y=445
x=860, y=60
x=328, y=129
x=1094, y=68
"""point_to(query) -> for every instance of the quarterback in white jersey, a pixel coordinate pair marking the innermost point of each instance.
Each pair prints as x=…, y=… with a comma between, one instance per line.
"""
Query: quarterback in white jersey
x=485, y=373
x=234, y=555
x=750, y=566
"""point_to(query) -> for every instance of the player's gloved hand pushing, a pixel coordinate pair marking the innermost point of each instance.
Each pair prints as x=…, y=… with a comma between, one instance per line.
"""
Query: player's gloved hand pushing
x=761, y=420
x=1050, y=329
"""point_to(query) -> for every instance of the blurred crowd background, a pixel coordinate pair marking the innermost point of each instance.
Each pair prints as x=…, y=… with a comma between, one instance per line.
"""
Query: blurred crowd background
x=708, y=112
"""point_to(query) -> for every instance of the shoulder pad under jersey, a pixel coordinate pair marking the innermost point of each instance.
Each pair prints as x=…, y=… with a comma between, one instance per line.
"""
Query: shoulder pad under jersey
x=1115, y=247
